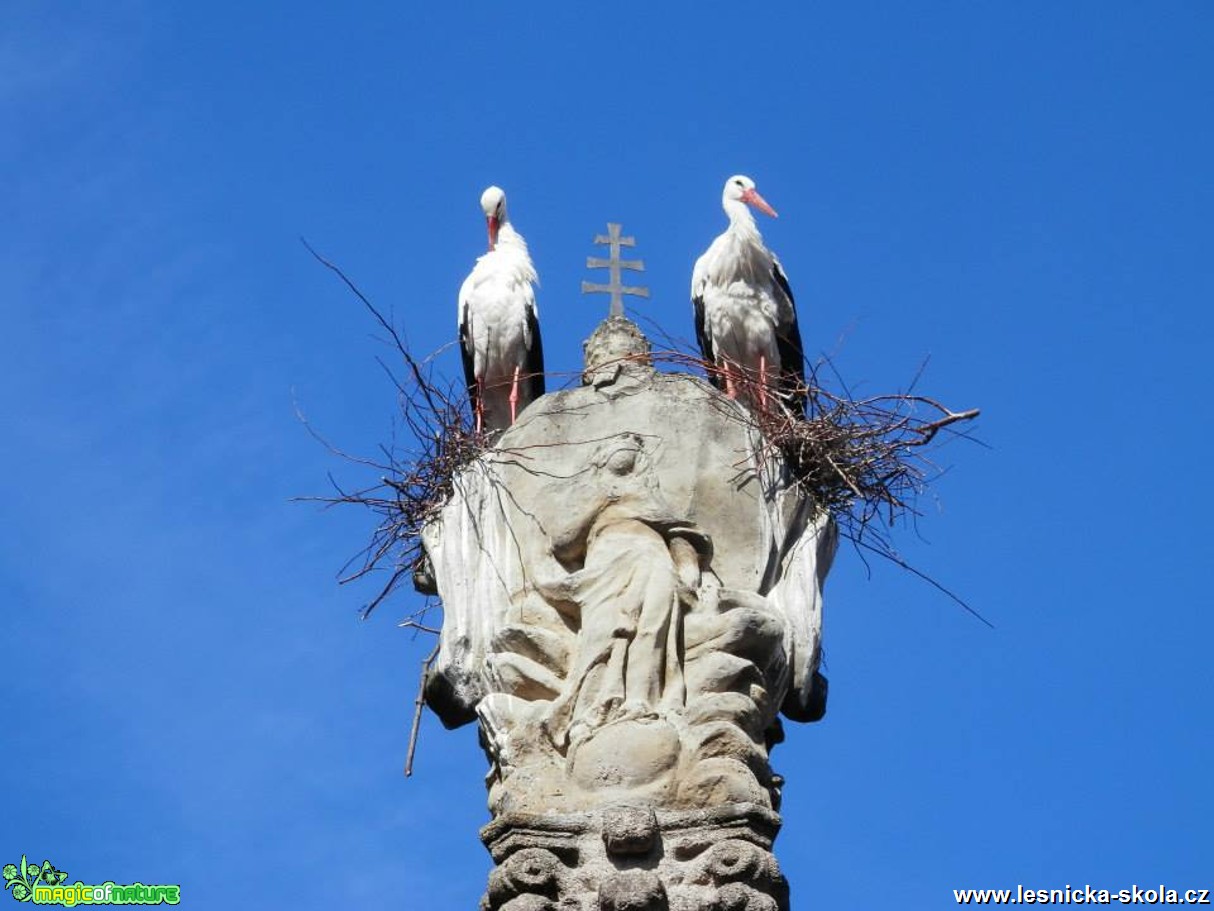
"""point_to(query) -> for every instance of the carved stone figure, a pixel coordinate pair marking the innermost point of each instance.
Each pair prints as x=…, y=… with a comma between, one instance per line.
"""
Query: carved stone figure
x=631, y=589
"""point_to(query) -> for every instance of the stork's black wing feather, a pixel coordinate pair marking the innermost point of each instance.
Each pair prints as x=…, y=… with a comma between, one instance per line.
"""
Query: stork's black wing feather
x=465, y=350
x=534, y=366
x=788, y=343
x=707, y=351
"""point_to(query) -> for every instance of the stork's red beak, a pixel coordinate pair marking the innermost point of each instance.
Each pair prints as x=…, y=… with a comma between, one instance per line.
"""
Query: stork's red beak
x=752, y=198
x=492, y=220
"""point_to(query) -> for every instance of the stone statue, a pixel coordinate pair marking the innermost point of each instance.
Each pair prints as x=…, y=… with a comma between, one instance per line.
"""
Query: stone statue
x=631, y=589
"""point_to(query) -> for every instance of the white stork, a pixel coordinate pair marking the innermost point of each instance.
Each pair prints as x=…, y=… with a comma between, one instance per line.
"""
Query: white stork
x=499, y=330
x=746, y=321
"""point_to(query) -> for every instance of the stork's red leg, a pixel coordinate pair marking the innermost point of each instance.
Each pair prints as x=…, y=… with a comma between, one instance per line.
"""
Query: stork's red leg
x=762, y=382
x=514, y=397
x=479, y=409
x=730, y=389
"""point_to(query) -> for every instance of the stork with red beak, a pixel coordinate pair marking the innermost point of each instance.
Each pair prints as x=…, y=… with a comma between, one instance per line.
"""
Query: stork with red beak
x=499, y=332
x=746, y=321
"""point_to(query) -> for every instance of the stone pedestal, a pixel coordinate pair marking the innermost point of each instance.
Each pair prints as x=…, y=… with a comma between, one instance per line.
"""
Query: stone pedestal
x=631, y=587
x=636, y=858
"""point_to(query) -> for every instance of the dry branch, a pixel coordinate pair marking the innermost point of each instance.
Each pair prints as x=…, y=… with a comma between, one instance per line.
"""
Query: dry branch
x=419, y=703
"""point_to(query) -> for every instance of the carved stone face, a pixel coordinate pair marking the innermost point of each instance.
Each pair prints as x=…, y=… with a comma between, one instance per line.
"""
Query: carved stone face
x=623, y=459
x=606, y=477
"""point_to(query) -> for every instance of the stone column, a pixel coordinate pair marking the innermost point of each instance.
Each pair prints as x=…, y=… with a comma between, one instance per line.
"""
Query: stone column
x=631, y=589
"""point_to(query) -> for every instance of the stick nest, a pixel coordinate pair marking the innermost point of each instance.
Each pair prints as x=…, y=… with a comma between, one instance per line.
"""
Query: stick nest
x=865, y=460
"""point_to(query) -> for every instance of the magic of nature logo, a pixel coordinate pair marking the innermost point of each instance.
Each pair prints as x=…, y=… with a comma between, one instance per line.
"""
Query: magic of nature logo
x=47, y=885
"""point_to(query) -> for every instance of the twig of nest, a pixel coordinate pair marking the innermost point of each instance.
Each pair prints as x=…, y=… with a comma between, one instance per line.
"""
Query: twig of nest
x=416, y=478
x=859, y=458
x=414, y=484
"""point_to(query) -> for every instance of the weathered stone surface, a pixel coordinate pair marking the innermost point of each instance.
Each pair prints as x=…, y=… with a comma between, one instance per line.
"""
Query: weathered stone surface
x=626, y=754
x=740, y=897
x=694, y=854
x=529, y=903
x=732, y=860
x=631, y=588
x=629, y=830
x=616, y=345
x=633, y=890
x=530, y=870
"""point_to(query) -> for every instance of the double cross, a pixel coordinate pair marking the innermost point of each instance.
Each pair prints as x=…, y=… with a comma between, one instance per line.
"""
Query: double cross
x=615, y=286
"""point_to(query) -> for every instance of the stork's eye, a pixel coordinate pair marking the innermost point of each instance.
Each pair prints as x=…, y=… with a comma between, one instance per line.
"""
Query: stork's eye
x=739, y=183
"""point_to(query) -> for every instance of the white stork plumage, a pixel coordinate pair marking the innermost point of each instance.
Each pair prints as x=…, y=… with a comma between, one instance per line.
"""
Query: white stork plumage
x=746, y=321
x=499, y=332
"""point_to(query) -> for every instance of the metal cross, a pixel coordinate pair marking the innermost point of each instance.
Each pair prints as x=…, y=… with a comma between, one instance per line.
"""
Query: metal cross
x=615, y=286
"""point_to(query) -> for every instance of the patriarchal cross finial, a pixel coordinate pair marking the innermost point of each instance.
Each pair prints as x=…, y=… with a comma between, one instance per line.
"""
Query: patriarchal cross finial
x=615, y=286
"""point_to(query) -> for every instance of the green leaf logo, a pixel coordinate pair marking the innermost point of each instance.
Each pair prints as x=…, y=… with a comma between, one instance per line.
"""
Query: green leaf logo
x=50, y=875
x=23, y=879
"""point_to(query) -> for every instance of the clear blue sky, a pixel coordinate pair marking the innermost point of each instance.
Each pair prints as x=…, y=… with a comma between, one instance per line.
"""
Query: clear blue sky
x=1021, y=191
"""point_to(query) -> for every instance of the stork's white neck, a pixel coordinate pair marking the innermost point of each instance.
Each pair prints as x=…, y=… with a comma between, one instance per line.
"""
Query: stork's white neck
x=507, y=236
x=741, y=221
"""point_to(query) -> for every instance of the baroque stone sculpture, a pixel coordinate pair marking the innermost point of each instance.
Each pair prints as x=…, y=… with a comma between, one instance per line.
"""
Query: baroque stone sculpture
x=631, y=587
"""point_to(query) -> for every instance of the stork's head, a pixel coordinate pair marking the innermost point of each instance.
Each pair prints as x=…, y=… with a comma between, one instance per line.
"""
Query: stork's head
x=493, y=204
x=741, y=189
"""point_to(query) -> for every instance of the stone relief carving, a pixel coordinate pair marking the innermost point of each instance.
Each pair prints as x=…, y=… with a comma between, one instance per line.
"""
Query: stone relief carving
x=632, y=593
